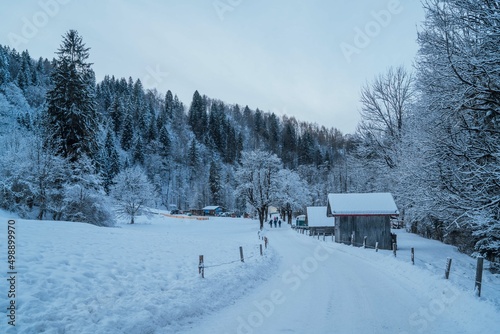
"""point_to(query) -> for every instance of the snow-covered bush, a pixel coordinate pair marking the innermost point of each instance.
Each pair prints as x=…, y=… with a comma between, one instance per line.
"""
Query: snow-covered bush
x=84, y=197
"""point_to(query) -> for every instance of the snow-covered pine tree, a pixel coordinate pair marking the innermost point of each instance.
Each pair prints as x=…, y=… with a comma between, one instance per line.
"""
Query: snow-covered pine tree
x=289, y=143
x=197, y=116
x=116, y=113
x=193, y=155
x=214, y=182
x=138, y=154
x=127, y=133
x=164, y=140
x=152, y=134
x=73, y=118
x=111, y=162
x=4, y=66
x=169, y=105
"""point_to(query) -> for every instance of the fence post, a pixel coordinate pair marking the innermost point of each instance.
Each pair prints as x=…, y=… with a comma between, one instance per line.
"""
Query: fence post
x=352, y=238
x=376, y=246
x=448, y=267
x=479, y=276
x=394, y=248
x=265, y=242
x=412, y=255
x=241, y=254
x=201, y=267
x=260, y=249
x=364, y=241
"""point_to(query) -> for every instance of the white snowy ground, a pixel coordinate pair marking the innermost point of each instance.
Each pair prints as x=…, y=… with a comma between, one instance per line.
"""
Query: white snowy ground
x=143, y=278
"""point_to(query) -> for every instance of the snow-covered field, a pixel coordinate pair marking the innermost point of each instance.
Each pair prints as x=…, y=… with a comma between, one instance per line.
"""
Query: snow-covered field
x=143, y=278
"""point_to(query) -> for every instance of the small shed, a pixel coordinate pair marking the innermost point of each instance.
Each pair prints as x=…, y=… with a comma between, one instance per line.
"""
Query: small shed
x=317, y=216
x=212, y=210
x=363, y=214
x=318, y=221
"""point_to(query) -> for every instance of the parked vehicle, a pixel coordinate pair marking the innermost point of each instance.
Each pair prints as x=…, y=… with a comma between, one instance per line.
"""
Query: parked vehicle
x=300, y=220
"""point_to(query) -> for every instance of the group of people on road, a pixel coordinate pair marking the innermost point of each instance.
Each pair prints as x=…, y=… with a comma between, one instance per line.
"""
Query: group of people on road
x=274, y=221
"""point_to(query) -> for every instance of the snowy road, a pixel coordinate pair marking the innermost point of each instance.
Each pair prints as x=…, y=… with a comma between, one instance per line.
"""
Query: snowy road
x=322, y=287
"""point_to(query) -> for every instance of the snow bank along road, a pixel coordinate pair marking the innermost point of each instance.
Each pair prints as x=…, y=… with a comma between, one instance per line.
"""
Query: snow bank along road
x=323, y=287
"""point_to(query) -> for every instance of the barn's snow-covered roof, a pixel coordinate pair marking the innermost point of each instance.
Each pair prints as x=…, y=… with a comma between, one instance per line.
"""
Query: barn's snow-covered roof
x=358, y=204
x=316, y=216
x=211, y=207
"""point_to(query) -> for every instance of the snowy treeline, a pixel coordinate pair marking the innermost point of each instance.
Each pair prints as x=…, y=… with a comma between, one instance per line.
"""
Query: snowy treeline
x=189, y=155
x=431, y=137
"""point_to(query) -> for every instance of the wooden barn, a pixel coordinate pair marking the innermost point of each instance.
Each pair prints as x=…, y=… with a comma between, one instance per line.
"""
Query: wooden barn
x=363, y=214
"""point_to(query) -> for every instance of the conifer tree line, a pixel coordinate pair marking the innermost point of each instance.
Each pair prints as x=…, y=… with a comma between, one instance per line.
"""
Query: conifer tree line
x=429, y=135
x=110, y=130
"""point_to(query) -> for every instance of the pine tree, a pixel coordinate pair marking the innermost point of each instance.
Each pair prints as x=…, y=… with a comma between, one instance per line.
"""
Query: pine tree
x=273, y=130
x=178, y=115
x=247, y=116
x=306, y=149
x=111, y=162
x=25, y=74
x=116, y=114
x=138, y=155
x=139, y=106
x=193, y=155
x=169, y=105
x=71, y=102
x=197, y=116
x=127, y=134
x=165, y=143
x=289, y=144
x=214, y=127
x=4, y=67
x=214, y=181
x=152, y=134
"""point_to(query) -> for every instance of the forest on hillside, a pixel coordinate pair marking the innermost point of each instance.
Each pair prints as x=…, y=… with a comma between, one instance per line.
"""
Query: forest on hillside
x=71, y=146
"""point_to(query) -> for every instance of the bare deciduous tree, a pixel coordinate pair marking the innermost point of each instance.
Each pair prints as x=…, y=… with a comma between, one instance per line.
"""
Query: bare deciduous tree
x=385, y=104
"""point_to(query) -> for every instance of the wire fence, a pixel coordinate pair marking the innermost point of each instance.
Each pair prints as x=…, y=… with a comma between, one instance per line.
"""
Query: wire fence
x=202, y=266
x=478, y=280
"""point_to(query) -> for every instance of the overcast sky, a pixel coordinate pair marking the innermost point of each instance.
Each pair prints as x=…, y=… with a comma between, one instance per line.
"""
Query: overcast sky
x=304, y=58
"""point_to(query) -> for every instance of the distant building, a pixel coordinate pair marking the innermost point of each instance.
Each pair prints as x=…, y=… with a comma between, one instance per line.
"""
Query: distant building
x=319, y=222
x=317, y=217
x=363, y=214
x=212, y=210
